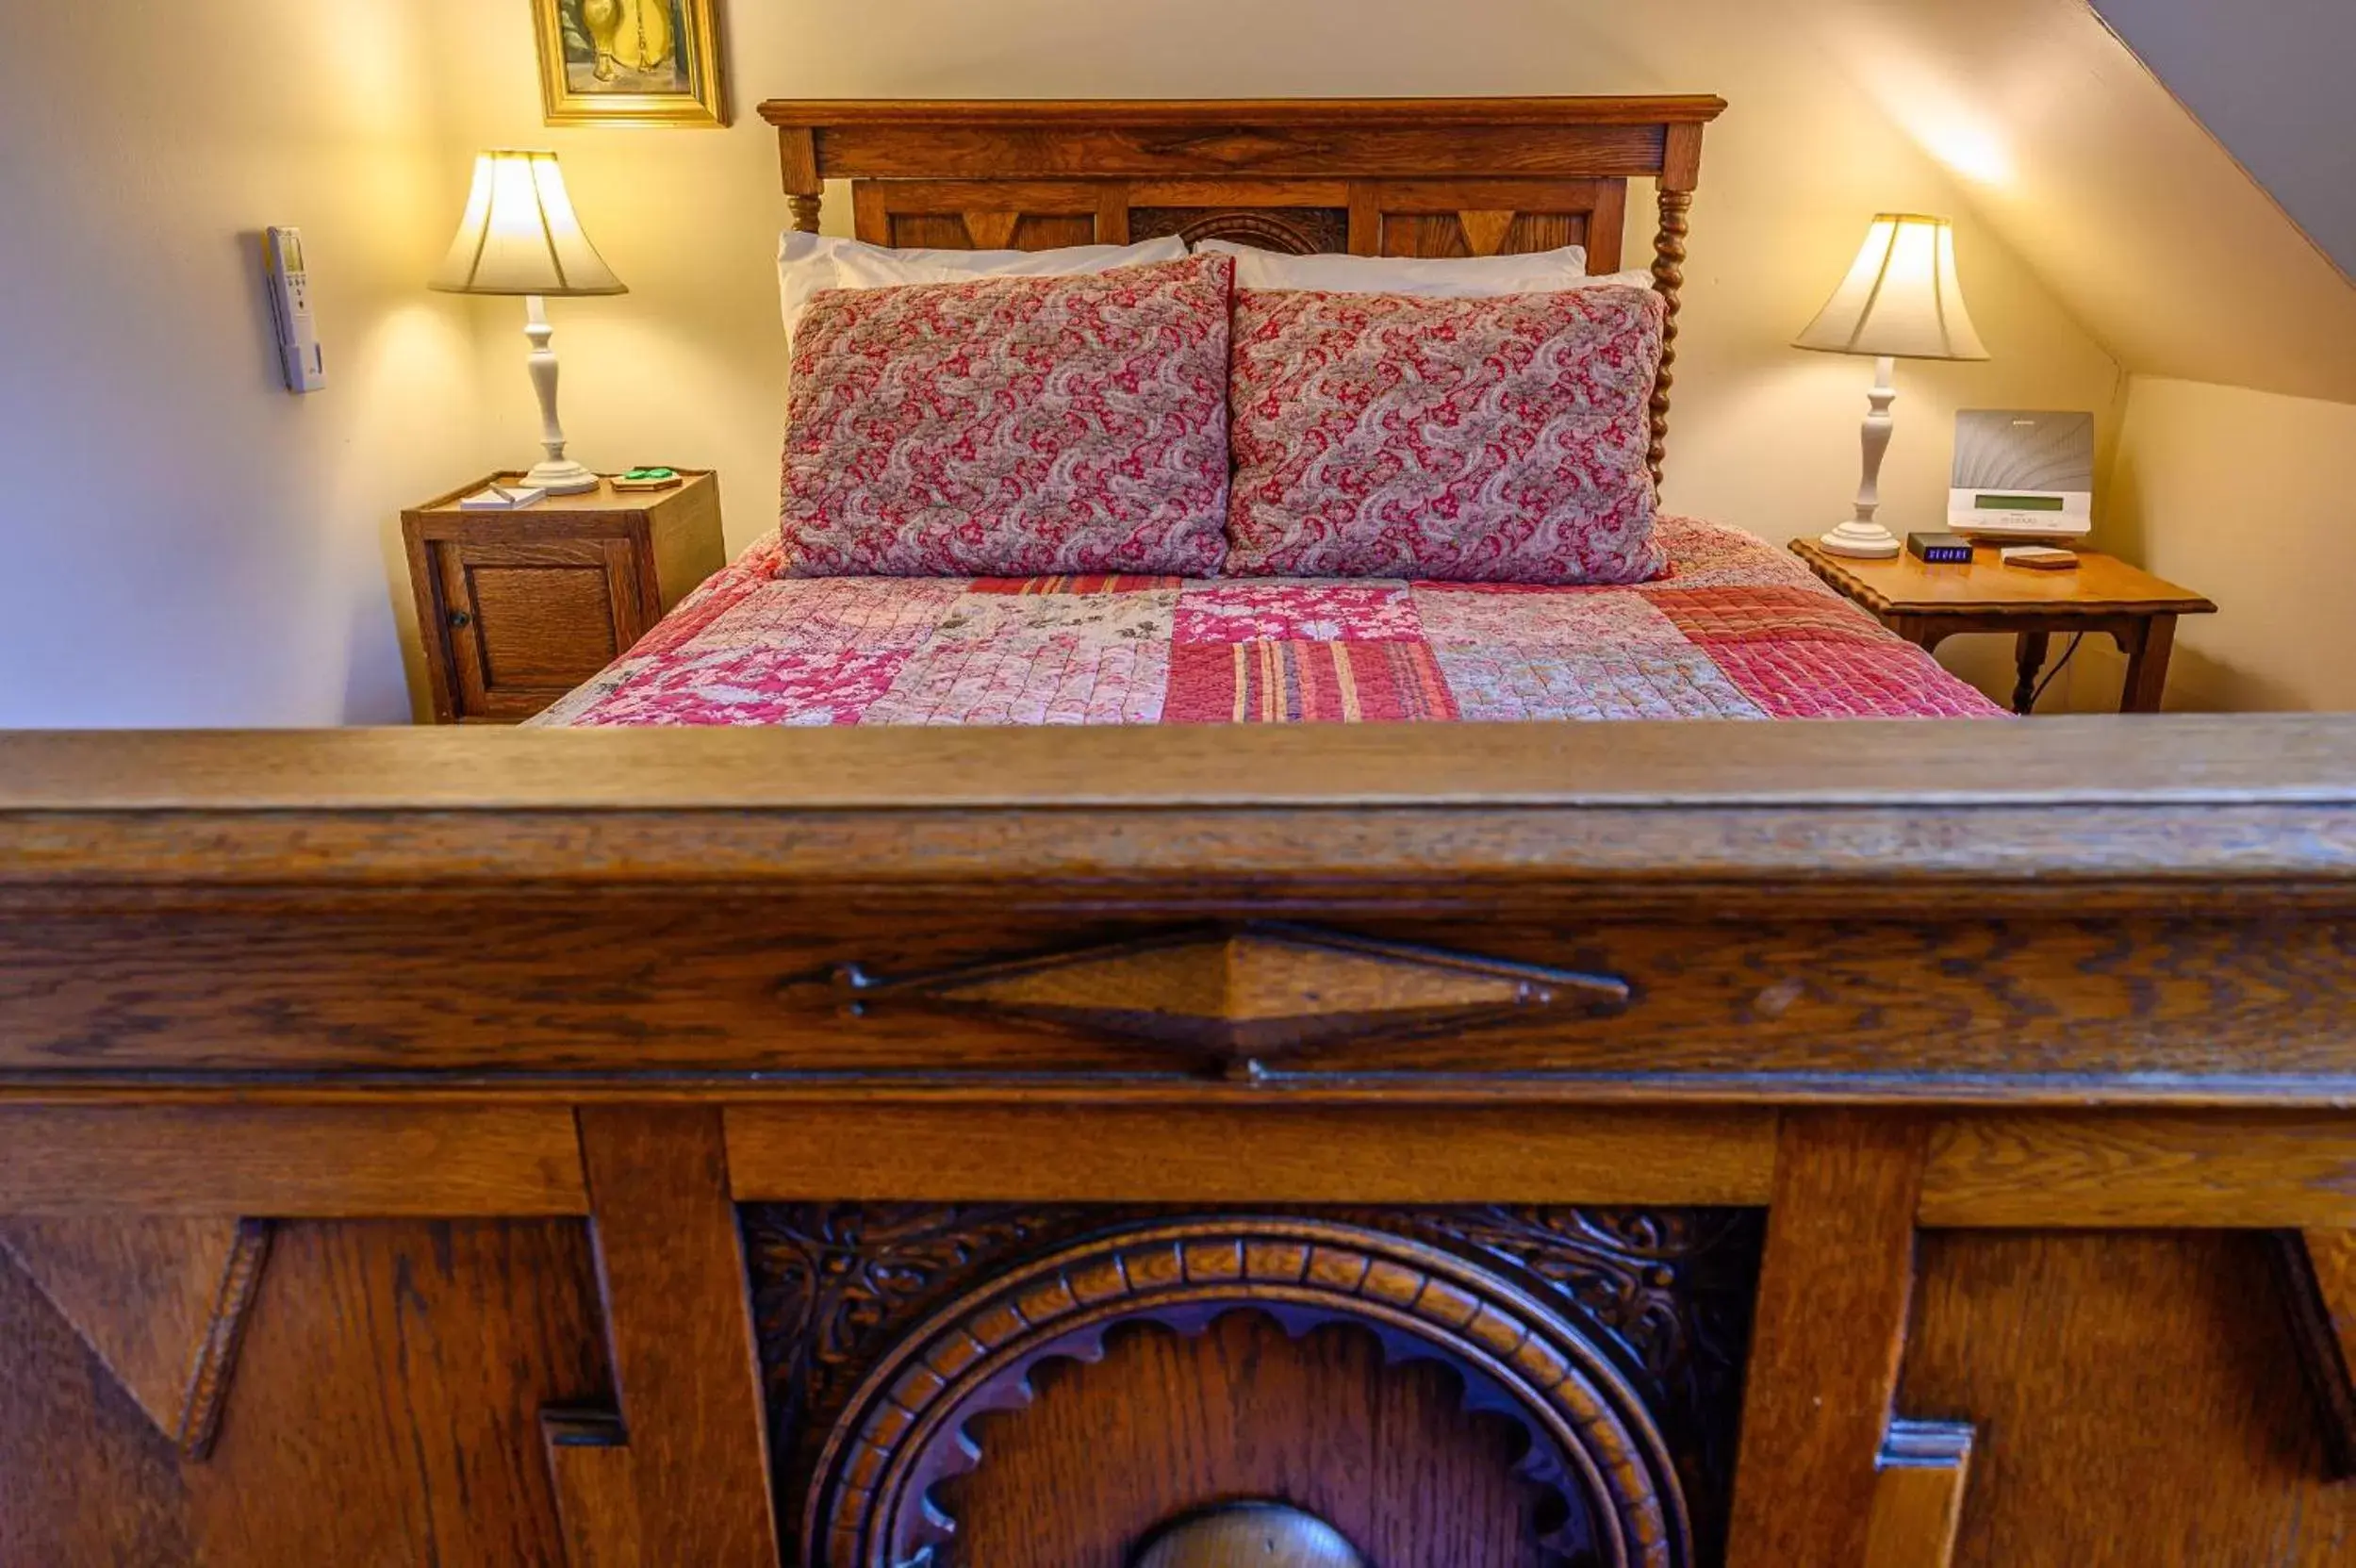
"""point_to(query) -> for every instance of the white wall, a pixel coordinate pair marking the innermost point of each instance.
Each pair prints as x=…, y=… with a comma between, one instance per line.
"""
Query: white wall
x=2250, y=499
x=186, y=542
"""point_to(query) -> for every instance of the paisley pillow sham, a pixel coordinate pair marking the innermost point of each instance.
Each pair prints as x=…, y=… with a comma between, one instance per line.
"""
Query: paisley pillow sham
x=1012, y=426
x=1498, y=440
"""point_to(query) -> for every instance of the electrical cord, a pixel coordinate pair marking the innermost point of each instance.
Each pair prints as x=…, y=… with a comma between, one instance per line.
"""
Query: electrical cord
x=2068, y=653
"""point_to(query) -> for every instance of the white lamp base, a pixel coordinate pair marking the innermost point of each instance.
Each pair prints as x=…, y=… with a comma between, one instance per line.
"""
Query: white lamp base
x=561, y=478
x=1862, y=542
x=557, y=474
x=1861, y=537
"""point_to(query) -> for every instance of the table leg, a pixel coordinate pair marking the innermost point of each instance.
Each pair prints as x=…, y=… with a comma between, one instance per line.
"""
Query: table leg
x=1923, y=631
x=2027, y=657
x=2147, y=664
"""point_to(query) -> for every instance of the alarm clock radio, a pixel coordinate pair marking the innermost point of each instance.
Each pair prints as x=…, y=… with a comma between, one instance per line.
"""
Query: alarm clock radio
x=2022, y=475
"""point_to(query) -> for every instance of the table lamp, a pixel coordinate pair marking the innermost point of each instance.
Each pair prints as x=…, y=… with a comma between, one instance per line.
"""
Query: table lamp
x=1900, y=301
x=519, y=237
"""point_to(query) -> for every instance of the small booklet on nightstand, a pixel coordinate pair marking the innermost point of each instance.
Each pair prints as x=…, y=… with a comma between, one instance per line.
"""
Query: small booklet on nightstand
x=501, y=498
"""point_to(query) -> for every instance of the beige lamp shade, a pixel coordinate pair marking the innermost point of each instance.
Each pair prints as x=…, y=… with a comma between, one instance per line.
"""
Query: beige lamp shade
x=1901, y=298
x=520, y=235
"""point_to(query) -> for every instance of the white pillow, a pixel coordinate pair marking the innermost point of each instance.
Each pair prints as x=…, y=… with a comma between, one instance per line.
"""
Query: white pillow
x=1634, y=278
x=809, y=262
x=1434, y=277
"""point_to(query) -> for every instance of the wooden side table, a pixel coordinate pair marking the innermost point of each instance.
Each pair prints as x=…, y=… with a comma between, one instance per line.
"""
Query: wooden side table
x=1926, y=604
x=516, y=608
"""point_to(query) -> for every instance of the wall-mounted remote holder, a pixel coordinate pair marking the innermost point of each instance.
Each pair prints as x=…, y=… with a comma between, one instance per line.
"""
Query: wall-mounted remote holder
x=299, y=357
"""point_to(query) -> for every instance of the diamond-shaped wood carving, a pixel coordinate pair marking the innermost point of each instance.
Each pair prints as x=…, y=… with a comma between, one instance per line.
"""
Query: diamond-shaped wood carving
x=1238, y=149
x=1245, y=993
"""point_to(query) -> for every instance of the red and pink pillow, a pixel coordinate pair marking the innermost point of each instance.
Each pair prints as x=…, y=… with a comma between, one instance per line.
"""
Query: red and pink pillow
x=1499, y=440
x=1014, y=426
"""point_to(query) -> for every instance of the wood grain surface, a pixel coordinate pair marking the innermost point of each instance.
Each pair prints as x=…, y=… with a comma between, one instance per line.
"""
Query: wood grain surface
x=161, y=1301
x=85, y=1480
x=476, y=1324
x=2137, y=1398
x=2318, y=1278
x=385, y=1412
x=597, y=1491
x=637, y=988
x=1826, y=1336
x=1407, y=112
x=1153, y=1154
x=1166, y=1423
x=2332, y=1256
x=1248, y=147
x=671, y=1274
x=1916, y=1511
x=538, y=622
x=2209, y=760
x=2217, y=856
x=311, y=1162
x=1904, y=584
x=1919, y=1494
x=2147, y=1170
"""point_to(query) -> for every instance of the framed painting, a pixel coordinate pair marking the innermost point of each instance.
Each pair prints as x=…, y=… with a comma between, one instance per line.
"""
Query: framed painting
x=631, y=62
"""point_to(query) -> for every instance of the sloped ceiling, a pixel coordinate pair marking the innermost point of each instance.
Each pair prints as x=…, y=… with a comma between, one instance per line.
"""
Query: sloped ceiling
x=2271, y=81
x=2126, y=206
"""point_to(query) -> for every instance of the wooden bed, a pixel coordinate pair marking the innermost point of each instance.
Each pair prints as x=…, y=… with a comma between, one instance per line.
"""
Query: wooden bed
x=1614, y=1144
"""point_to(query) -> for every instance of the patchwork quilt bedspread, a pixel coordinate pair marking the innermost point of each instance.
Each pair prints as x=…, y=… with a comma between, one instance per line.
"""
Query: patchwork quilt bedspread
x=1736, y=629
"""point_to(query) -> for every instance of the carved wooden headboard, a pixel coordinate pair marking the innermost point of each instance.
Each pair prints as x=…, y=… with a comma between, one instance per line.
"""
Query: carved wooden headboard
x=1378, y=176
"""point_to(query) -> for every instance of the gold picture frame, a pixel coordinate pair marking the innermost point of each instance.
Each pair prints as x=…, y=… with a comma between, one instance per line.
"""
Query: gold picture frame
x=631, y=62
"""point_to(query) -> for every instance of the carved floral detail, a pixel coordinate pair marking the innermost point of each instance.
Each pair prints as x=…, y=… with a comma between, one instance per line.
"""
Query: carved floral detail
x=1668, y=1290
x=835, y=1283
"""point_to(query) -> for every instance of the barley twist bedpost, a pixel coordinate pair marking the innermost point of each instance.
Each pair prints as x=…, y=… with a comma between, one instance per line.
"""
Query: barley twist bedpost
x=1668, y=277
x=1681, y=169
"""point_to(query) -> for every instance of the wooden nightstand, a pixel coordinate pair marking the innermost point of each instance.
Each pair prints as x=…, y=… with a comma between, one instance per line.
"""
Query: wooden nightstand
x=1926, y=604
x=517, y=608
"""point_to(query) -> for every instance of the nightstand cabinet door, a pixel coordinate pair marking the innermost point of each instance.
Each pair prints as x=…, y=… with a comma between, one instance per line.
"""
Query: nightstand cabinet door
x=526, y=622
x=520, y=608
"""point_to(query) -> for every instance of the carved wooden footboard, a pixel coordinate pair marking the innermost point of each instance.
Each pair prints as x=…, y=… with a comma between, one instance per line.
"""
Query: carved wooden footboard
x=1611, y=1144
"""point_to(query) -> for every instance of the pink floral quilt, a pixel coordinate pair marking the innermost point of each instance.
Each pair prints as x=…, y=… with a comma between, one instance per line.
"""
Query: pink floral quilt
x=1736, y=629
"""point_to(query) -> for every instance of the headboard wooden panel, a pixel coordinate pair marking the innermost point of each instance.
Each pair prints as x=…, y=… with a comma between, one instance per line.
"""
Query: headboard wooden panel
x=1373, y=176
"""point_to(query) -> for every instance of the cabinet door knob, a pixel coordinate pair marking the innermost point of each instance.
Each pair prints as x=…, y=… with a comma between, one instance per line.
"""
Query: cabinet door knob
x=460, y=621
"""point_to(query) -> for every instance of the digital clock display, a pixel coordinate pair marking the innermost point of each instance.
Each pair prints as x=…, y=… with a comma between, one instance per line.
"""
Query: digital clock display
x=2018, y=503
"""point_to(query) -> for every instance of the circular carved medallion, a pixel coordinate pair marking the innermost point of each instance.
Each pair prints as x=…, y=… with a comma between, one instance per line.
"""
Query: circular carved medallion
x=1590, y=1439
